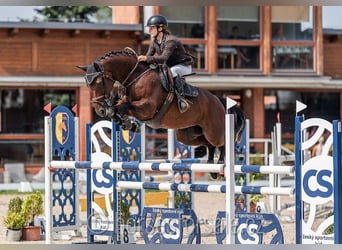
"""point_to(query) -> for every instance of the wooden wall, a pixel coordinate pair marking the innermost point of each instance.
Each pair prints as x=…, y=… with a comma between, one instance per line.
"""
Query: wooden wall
x=332, y=49
x=29, y=52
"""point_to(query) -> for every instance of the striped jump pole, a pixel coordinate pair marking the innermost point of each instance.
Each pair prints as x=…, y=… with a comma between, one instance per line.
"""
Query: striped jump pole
x=183, y=167
x=207, y=188
x=161, y=166
x=143, y=166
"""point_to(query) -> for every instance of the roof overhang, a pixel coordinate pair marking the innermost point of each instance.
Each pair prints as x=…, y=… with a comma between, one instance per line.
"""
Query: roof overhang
x=207, y=82
x=71, y=26
x=242, y=82
x=332, y=31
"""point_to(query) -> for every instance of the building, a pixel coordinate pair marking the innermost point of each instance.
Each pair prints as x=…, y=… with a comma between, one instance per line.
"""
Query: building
x=281, y=54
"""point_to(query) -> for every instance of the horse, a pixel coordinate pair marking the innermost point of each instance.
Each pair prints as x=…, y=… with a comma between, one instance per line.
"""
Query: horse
x=122, y=88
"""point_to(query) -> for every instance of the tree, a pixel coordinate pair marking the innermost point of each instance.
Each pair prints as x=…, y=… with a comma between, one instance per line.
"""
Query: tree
x=71, y=13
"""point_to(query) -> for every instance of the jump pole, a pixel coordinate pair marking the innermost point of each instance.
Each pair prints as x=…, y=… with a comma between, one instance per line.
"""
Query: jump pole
x=48, y=199
x=229, y=172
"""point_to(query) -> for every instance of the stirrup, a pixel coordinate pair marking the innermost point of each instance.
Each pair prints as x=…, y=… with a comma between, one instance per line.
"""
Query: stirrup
x=183, y=105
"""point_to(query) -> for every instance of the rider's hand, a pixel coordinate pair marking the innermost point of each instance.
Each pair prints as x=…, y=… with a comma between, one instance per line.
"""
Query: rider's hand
x=142, y=58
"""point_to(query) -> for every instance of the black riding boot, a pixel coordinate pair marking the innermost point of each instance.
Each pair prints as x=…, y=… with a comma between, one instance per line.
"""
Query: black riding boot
x=183, y=104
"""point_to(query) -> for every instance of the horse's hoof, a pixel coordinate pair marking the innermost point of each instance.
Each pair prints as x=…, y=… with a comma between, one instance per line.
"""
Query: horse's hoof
x=213, y=176
x=126, y=126
x=135, y=128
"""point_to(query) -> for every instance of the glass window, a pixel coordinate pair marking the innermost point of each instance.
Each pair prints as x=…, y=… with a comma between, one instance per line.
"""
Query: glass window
x=22, y=109
x=238, y=22
x=325, y=105
x=292, y=38
x=22, y=122
x=292, y=23
x=188, y=22
x=292, y=57
x=198, y=53
x=26, y=151
x=239, y=37
x=185, y=21
x=237, y=57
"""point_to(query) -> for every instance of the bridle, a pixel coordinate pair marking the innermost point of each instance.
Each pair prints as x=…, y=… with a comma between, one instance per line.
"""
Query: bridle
x=118, y=93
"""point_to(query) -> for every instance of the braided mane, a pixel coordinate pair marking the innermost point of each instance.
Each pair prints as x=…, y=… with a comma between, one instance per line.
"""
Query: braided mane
x=126, y=52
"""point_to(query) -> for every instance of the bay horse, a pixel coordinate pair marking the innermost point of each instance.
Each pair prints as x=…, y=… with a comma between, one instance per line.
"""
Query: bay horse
x=122, y=88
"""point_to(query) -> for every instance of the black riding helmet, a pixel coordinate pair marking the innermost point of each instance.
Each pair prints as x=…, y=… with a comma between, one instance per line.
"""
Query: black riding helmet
x=157, y=20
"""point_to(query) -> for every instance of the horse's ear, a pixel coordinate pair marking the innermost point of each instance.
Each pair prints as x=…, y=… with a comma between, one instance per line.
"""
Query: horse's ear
x=84, y=68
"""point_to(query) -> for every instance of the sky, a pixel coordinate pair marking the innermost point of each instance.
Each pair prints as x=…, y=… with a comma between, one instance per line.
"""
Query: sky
x=331, y=14
x=13, y=13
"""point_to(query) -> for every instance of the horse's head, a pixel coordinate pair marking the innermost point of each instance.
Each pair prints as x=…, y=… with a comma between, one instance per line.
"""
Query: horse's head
x=108, y=78
x=102, y=98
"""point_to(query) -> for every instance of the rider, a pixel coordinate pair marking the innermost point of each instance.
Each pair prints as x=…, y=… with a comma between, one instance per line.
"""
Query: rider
x=166, y=48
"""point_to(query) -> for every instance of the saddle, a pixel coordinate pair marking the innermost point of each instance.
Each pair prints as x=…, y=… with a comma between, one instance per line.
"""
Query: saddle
x=169, y=85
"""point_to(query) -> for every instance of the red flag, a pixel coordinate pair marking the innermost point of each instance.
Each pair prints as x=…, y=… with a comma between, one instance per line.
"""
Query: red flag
x=48, y=108
x=75, y=109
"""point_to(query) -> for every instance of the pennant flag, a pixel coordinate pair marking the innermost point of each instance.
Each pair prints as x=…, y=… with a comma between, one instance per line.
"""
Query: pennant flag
x=230, y=103
x=75, y=109
x=48, y=108
x=300, y=106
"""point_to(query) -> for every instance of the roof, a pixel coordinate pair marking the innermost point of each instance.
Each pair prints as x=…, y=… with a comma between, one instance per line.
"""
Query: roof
x=203, y=81
x=332, y=31
x=71, y=26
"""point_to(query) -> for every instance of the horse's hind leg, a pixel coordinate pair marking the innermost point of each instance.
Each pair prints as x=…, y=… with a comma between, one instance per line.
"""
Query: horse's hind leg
x=221, y=158
x=222, y=155
x=211, y=152
x=191, y=136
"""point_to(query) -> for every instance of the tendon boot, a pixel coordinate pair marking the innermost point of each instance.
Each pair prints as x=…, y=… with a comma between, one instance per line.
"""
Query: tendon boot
x=183, y=104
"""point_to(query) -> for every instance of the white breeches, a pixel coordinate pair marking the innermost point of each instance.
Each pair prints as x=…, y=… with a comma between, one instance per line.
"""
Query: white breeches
x=181, y=70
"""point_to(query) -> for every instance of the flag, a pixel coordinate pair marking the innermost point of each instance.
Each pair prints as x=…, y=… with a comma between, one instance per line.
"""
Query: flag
x=48, y=108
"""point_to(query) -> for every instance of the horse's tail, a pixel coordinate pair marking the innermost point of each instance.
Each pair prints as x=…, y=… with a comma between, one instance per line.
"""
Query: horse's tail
x=240, y=123
x=239, y=119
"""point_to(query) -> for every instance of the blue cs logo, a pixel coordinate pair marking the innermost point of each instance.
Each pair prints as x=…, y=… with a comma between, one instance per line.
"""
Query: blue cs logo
x=317, y=180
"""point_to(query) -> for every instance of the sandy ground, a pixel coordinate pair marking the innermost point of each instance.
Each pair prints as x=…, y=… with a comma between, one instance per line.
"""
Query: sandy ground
x=206, y=204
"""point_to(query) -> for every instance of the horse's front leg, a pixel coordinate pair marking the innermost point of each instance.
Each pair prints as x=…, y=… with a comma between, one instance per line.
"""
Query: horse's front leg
x=143, y=109
x=127, y=123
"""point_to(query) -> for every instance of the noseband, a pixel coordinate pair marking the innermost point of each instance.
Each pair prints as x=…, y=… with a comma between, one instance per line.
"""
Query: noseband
x=118, y=92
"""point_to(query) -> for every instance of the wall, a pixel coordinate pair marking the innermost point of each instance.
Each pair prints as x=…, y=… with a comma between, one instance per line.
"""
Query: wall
x=28, y=52
x=332, y=49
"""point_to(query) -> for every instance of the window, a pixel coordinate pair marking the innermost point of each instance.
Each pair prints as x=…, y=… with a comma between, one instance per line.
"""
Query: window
x=292, y=23
x=188, y=22
x=292, y=38
x=185, y=21
x=22, y=122
x=321, y=104
x=22, y=109
x=239, y=37
x=292, y=57
x=238, y=22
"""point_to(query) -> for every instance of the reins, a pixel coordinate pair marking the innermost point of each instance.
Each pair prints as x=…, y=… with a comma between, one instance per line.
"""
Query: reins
x=131, y=73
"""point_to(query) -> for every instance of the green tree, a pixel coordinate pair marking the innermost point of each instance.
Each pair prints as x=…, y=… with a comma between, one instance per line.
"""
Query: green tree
x=71, y=13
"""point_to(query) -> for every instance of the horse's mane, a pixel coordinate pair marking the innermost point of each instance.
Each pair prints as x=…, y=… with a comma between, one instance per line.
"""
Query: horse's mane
x=126, y=52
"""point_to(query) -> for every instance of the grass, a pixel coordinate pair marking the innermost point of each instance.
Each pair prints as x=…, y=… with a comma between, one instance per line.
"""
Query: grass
x=15, y=192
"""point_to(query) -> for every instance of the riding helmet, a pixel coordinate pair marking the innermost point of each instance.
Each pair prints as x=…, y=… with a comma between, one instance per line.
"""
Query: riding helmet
x=157, y=20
